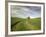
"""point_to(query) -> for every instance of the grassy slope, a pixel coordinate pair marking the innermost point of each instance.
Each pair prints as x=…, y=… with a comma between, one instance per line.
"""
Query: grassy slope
x=19, y=24
x=36, y=23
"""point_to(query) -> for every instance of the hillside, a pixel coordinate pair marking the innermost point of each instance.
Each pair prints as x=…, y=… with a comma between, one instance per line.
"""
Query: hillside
x=20, y=24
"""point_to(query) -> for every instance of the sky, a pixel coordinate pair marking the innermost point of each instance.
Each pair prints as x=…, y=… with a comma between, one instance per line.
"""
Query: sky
x=25, y=11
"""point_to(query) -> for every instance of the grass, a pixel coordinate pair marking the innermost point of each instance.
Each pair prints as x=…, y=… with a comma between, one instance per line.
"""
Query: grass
x=20, y=24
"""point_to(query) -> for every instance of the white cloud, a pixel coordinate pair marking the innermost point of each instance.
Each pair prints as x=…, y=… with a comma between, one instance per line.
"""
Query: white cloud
x=24, y=12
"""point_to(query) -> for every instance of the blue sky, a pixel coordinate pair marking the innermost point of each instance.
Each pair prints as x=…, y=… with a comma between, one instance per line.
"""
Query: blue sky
x=25, y=11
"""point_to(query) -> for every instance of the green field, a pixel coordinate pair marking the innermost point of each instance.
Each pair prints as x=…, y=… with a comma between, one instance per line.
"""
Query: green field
x=21, y=24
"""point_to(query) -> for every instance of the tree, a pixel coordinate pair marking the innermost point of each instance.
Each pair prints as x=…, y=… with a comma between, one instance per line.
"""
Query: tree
x=29, y=20
x=28, y=17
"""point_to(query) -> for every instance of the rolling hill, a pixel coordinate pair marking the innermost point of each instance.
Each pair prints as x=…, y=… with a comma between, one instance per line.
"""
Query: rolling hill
x=21, y=24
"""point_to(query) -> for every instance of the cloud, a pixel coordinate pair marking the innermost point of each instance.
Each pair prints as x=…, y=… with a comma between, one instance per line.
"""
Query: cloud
x=25, y=11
